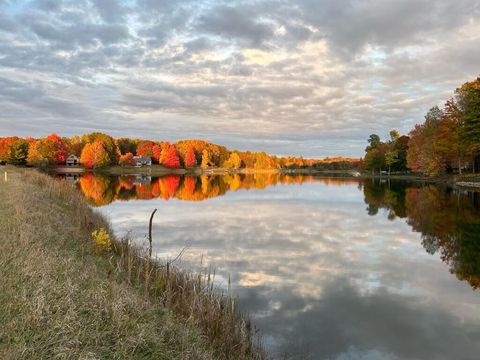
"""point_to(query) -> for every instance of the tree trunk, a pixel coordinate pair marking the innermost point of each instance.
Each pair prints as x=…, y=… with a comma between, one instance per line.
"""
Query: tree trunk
x=459, y=167
x=389, y=166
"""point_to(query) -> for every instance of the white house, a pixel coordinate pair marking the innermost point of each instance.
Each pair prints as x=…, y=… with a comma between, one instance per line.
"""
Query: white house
x=142, y=161
x=72, y=160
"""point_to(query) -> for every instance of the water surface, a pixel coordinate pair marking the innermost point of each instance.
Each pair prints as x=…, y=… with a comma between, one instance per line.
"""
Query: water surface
x=327, y=268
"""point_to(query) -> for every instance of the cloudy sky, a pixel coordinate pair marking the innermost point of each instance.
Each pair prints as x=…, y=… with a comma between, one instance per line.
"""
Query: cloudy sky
x=306, y=77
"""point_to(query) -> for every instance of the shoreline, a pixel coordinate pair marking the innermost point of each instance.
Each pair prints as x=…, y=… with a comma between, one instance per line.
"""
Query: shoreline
x=457, y=180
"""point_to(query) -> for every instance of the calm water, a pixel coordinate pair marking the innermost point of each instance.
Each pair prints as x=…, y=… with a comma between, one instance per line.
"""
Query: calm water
x=326, y=268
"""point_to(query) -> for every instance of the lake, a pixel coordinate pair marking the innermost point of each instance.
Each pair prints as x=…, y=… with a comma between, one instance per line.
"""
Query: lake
x=327, y=268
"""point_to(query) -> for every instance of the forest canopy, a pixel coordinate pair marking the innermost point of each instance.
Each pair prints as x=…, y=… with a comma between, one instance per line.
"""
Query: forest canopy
x=98, y=150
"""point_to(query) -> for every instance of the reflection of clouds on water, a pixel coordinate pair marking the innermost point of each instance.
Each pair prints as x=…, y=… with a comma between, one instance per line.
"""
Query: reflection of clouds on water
x=317, y=273
x=397, y=327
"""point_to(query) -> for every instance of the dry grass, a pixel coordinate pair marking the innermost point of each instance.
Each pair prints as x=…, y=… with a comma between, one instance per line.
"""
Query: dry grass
x=60, y=299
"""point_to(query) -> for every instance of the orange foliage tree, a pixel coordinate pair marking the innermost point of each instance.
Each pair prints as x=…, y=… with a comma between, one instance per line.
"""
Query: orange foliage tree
x=94, y=155
x=108, y=143
x=126, y=160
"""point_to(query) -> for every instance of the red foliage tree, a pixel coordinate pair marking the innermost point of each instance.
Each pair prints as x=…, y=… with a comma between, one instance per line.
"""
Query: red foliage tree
x=145, y=148
x=171, y=158
x=156, y=154
x=190, y=158
x=58, y=148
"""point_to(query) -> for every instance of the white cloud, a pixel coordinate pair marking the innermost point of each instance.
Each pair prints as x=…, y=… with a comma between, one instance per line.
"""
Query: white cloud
x=306, y=79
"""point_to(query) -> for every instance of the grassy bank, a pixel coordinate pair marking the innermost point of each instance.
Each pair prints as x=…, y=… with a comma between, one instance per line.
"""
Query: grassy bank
x=61, y=296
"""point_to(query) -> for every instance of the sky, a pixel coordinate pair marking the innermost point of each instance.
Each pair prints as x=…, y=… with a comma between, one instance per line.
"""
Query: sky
x=307, y=78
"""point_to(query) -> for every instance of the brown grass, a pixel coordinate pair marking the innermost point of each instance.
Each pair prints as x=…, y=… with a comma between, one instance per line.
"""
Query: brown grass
x=60, y=299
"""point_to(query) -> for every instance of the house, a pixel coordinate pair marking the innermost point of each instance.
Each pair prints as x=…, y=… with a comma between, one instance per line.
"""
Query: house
x=142, y=180
x=142, y=161
x=73, y=178
x=72, y=160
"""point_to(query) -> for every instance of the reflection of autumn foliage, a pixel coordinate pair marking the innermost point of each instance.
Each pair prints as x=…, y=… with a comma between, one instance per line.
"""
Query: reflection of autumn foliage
x=156, y=191
x=189, y=184
x=144, y=191
x=448, y=221
x=99, y=190
x=451, y=225
x=190, y=188
x=126, y=182
x=168, y=186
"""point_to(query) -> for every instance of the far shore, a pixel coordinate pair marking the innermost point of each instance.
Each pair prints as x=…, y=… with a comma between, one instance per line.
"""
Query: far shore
x=460, y=180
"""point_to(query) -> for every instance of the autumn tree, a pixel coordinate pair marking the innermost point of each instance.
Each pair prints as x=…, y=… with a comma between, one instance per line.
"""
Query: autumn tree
x=126, y=145
x=449, y=142
x=145, y=148
x=424, y=152
x=248, y=159
x=233, y=162
x=126, y=160
x=171, y=159
x=75, y=145
x=189, y=158
x=468, y=99
x=109, y=145
x=261, y=161
x=19, y=152
x=48, y=151
x=394, y=135
x=94, y=155
x=206, y=161
x=6, y=147
x=156, y=153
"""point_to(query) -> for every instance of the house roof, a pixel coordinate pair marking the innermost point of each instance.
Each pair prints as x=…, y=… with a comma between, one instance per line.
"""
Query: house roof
x=143, y=158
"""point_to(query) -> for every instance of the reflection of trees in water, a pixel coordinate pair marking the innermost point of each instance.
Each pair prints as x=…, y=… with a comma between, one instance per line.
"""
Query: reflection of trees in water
x=102, y=189
x=449, y=221
x=98, y=189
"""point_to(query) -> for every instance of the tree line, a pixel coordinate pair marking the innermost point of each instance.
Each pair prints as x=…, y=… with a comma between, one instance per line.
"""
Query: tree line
x=97, y=150
x=447, y=141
